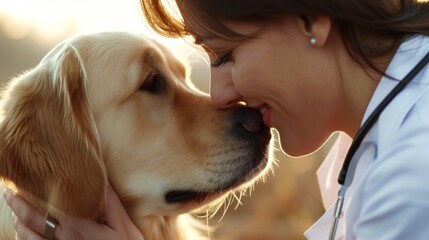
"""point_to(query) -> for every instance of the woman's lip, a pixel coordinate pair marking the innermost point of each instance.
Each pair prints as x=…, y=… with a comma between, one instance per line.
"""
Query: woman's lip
x=265, y=110
x=266, y=114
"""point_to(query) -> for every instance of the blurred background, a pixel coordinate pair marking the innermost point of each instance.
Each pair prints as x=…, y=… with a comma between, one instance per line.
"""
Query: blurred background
x=281, y=207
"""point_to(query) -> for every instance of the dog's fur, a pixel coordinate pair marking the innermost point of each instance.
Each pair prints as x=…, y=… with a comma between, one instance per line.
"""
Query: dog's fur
x=119, y=107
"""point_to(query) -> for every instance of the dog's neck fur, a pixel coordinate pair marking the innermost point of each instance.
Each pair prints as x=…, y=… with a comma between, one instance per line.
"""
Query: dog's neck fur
x=179, y=227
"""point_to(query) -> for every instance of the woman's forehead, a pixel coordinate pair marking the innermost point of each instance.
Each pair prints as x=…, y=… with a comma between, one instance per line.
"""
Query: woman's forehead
x=235, y=31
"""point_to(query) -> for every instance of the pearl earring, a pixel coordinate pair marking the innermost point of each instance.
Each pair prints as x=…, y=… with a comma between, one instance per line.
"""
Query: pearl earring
x=313, y=41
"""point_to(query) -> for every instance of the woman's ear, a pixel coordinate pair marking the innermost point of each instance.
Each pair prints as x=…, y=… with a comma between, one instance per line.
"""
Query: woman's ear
x=50, y=149
x=315, y=26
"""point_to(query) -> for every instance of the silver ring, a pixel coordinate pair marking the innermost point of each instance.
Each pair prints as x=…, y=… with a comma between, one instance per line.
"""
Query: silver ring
x=51, y=224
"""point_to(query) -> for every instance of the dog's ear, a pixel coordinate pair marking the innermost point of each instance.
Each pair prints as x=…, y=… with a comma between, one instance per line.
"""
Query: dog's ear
x=49, y=145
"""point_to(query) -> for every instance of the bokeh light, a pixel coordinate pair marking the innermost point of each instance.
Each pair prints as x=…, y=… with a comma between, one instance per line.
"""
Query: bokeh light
x=47, y=22
x=51, y=18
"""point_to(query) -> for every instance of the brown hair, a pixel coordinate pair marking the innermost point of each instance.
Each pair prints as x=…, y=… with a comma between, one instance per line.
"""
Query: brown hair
x=364, y=25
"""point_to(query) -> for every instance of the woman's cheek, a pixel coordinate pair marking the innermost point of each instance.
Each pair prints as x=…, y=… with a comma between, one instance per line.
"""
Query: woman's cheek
x=246, y=82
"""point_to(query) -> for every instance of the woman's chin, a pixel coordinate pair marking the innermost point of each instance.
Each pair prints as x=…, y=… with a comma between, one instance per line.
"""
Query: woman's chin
x=296, y=148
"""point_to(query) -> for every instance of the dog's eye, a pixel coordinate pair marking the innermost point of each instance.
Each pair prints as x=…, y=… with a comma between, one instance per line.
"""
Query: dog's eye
x=154, y=83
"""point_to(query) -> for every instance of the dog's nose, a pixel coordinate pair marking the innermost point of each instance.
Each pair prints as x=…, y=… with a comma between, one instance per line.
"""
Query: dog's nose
x=248, y=120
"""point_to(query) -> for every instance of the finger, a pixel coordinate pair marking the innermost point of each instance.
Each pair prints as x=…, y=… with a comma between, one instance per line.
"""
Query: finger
x=23, y=232
x=25, y=213
x=115, y=212
x=117, y=218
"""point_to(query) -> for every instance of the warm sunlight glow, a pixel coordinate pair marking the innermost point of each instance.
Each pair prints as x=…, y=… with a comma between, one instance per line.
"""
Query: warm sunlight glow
x=19, y=17
x=51, y=19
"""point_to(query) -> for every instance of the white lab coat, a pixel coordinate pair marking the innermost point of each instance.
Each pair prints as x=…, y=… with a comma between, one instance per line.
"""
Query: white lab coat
x=389, y=196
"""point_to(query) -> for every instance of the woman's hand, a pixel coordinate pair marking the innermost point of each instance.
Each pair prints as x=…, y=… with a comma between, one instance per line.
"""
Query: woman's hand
x=30, y=224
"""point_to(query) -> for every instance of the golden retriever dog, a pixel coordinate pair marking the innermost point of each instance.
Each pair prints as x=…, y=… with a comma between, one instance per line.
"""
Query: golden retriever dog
x=120, y=107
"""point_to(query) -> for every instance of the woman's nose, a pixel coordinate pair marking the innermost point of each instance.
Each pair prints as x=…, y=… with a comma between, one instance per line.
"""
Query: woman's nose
x=223, y=92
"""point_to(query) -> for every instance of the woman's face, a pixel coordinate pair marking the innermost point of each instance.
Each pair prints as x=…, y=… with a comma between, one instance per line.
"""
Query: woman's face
x=283, y=75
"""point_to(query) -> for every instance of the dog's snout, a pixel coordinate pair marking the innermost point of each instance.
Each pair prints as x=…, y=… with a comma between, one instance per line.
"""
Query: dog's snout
x=248, y=120
x=251, y=122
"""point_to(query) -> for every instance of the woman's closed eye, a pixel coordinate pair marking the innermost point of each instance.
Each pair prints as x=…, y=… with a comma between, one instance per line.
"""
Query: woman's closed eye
x=223, y=59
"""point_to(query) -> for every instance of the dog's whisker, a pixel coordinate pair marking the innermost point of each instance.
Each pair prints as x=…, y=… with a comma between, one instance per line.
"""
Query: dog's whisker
x=238, y=200
x=239, y=203
x=226, y=206
x=207, y=225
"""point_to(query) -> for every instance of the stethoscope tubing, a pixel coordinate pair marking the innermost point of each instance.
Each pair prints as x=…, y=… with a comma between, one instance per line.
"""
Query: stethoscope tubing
x=372, y=119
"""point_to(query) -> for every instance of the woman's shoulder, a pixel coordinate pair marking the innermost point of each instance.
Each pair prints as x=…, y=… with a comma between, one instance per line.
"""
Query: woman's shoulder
x=400, y=168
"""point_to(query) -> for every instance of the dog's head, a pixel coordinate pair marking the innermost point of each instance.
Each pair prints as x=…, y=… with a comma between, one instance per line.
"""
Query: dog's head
x=119, y=106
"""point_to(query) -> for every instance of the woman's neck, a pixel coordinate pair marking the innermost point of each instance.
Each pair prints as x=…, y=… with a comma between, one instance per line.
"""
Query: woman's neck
x=360, y=83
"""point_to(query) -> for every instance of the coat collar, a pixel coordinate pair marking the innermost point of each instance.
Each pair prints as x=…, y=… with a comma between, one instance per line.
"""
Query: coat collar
x=407, y=56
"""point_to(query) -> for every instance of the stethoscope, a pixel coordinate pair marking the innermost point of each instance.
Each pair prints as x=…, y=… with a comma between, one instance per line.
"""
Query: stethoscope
x=358, y=140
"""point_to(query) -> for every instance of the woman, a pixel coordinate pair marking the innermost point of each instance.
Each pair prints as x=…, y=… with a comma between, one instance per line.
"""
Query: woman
x=314, y=68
